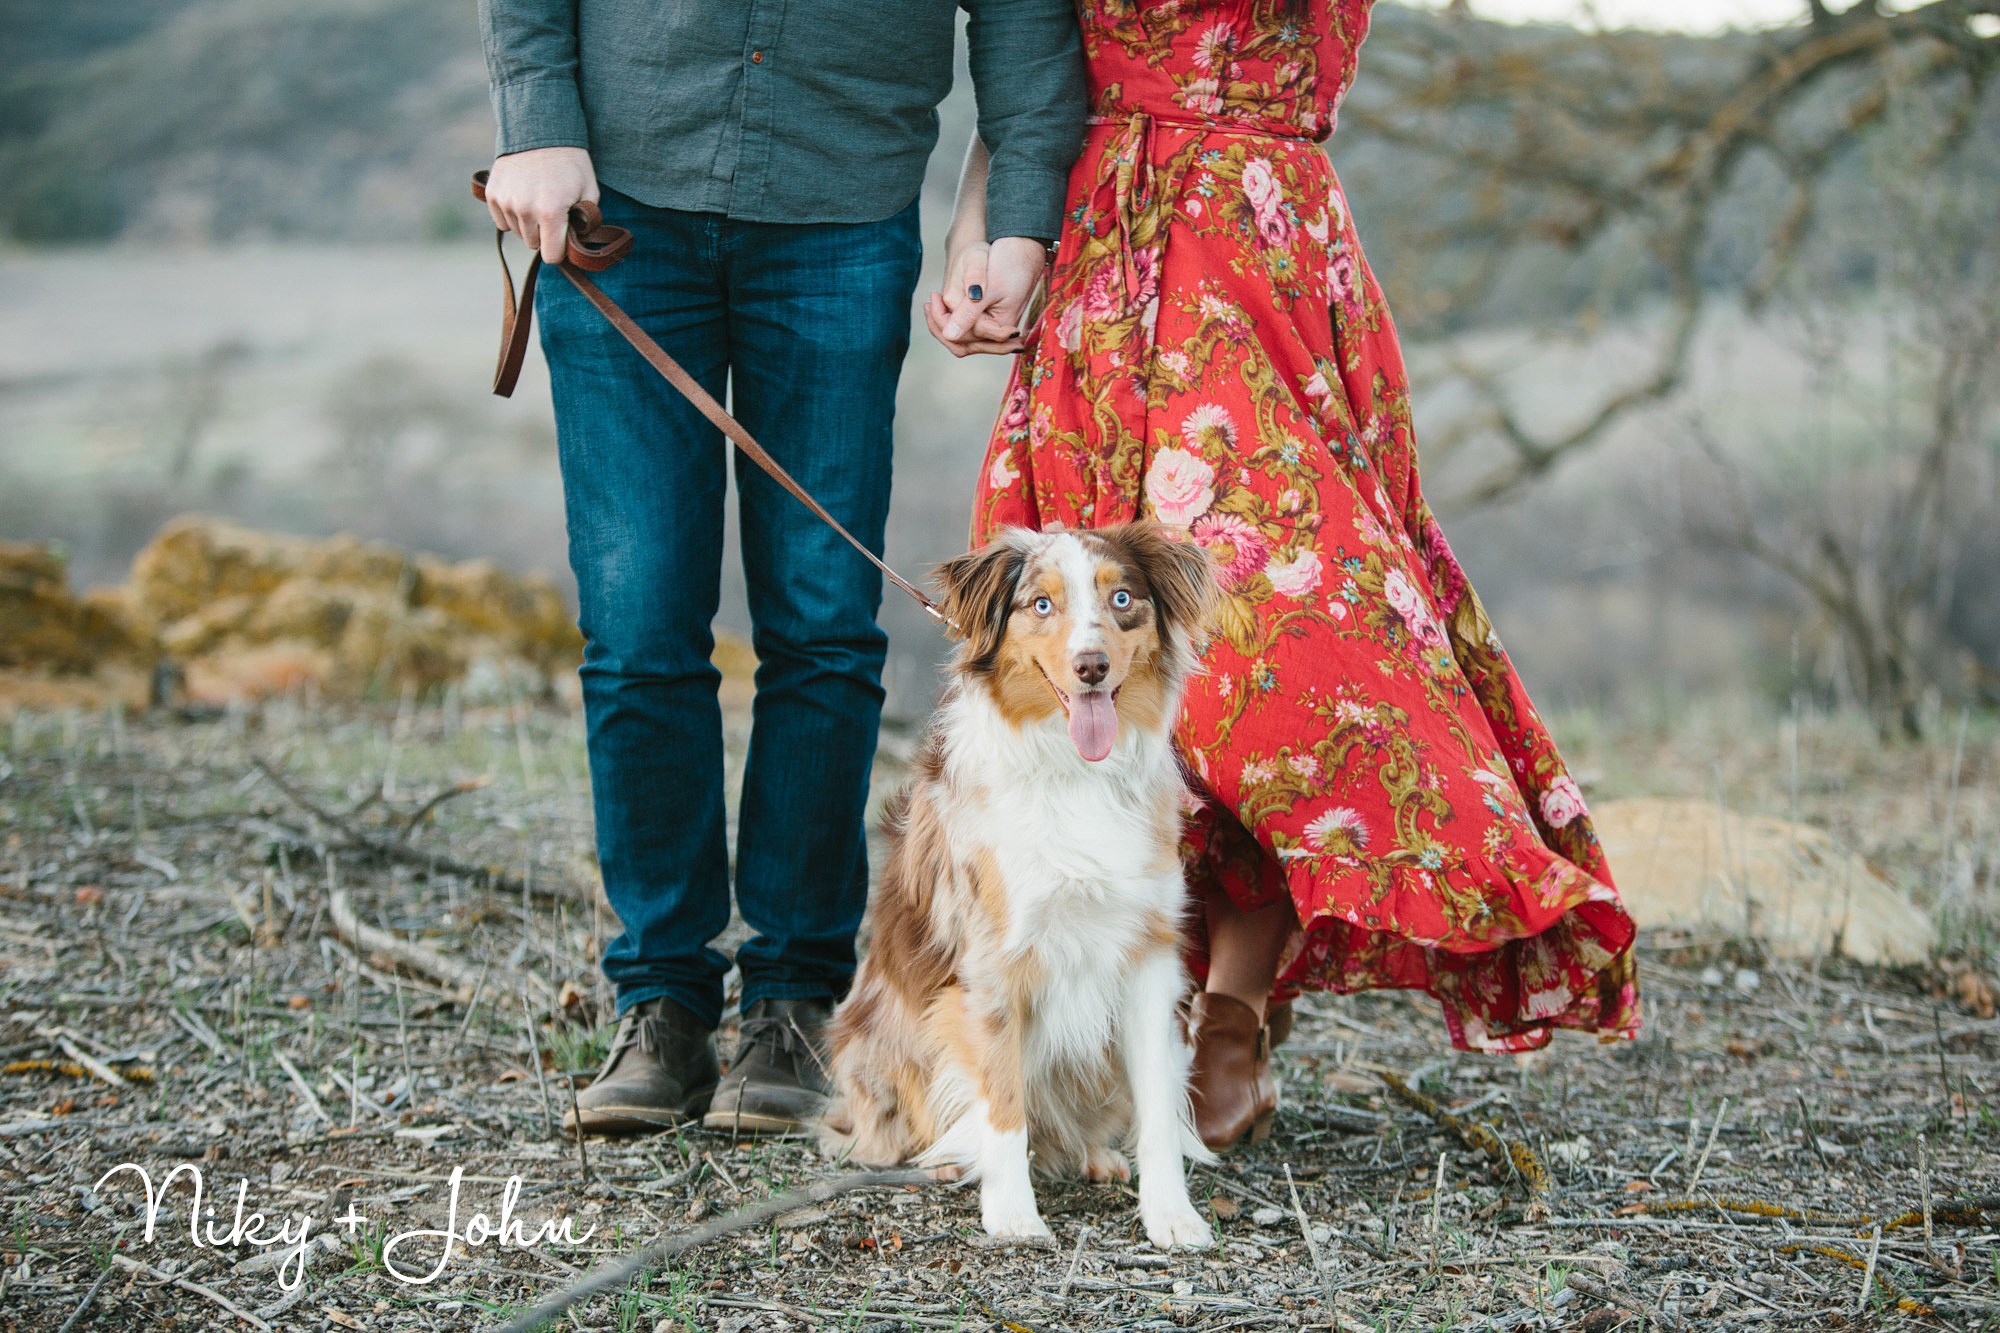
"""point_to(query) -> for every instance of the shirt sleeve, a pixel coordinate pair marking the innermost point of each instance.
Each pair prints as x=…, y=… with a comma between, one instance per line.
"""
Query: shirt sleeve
x=1027, y=77
x=531, y=71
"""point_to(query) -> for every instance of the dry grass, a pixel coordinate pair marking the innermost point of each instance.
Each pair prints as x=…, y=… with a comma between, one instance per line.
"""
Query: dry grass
x=165, y=911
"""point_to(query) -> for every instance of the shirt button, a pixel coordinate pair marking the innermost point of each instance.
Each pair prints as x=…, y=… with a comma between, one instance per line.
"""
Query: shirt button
x=756, y=57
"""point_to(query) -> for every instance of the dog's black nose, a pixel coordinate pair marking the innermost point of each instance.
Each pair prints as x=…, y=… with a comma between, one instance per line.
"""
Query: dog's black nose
x=1092, y=667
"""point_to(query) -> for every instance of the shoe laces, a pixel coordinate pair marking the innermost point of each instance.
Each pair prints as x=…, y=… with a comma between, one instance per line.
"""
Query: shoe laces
x=781, y=1033
x=647, y=1031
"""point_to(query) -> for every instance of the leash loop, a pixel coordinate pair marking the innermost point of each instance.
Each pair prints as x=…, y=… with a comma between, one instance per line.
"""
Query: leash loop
x=591, y=247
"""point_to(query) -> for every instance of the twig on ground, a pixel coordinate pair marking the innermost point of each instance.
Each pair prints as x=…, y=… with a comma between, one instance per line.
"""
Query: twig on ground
x=576, y=1114
x=1312, y=1248
x=418, y=816
x=615, y=1276
x=1075, y=1261
x=1714, y=1131
x=1475, y=1135
x=408, y=953
x=88, y=1297
x=92, y=1063
x=1604, y=1291
x=535, y=1055
x=196, y=1288
x=1812, y=1135
x=299, y=1082
x=353, y=839
x=1868, y=1274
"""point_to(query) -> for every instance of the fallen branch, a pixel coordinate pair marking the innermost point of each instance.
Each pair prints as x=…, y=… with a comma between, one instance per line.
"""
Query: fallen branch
x=410, y=954
x=194, y=1287
x=352, y=839
x=88, y=1297
x=411, y=821
x=616, y=1276
x=1611, y=1296
x=1951, y=1212
x=1475, y=1135
x=96, y=1066
x=305, y=1088
x=1312, y=1248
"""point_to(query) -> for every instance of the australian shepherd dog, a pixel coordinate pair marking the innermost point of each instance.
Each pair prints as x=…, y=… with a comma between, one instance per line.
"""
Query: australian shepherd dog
x=1018, y=1002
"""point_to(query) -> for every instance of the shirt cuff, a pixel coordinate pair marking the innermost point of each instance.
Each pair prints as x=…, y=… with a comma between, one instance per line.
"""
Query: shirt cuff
x=1025, y=201
x=538, y=113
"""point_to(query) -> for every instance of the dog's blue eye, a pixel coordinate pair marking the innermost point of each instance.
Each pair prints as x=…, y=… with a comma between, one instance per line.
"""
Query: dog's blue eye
x=1121, y=599
x=1043, y=606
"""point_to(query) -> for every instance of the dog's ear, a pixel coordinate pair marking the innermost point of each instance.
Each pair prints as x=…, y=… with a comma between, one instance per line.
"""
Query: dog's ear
x=1180, y=573
x=978, y=590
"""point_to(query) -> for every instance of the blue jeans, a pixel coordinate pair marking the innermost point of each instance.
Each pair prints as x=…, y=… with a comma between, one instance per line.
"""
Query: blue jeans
x=808, y=323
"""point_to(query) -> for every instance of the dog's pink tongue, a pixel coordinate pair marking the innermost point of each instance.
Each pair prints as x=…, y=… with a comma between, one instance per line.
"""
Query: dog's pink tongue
x=1093, y=724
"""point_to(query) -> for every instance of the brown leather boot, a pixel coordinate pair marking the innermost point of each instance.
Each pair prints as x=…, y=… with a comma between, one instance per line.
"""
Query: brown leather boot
x=778, y=1081
x=1231, y=1084
x=660, y=1072
x=1278, y=1021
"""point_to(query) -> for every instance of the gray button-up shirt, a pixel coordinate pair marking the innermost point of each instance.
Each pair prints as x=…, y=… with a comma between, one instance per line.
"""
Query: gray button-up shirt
x=790, y=110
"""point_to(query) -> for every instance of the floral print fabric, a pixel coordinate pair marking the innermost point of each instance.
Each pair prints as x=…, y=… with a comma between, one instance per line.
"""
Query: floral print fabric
x=1216, y=353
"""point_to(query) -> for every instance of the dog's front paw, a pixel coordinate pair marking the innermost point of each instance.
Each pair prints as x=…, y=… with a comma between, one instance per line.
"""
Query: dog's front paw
x=1016, y=1224
x=1177, y=1224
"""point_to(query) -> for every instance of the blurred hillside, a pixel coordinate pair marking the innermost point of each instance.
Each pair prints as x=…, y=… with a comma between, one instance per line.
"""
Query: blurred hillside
x=210, y=120
x=292, y=326
x=225, y=120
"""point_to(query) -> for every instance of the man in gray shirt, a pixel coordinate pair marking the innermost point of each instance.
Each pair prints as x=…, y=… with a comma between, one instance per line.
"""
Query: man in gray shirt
x=767, y=157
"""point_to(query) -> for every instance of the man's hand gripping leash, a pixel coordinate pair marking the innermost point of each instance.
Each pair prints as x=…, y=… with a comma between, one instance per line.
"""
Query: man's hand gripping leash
x=592, y=247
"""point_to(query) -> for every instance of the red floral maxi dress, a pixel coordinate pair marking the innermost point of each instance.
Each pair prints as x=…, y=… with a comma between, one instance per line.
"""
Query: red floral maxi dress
x=1217, y=354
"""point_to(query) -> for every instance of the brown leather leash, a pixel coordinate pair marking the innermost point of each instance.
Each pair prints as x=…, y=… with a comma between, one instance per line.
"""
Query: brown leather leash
x=594, y=246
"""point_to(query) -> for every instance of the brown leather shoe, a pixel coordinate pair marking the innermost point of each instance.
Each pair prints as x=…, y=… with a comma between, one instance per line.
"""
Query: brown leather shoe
x=660, y=1072
x=777, y=1084
x=1231, y=1084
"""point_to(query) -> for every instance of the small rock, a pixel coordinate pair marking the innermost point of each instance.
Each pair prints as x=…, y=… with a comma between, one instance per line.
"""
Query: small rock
x=1225, y=1207
x=1268, y=1217
x=428, y=1134
x=1711, y=976
x=1747, y=979
x=1573, y=1151
x=1183, y=1287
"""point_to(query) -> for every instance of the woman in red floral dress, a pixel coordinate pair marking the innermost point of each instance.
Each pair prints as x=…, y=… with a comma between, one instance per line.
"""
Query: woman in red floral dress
x=1380, y=804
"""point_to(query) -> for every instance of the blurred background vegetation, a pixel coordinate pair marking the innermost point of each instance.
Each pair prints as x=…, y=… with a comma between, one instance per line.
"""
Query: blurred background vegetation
x=1705, y=329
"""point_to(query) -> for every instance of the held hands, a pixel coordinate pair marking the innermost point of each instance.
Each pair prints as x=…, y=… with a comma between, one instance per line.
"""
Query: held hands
x=985, y=296
x=530, y=195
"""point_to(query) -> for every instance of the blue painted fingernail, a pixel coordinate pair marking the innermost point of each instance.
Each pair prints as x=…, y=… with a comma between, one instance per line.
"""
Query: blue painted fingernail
x=974, y=292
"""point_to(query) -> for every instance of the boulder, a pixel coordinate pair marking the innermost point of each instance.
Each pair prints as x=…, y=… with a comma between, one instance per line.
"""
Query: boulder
x=249, y=613
x=244, y=614
x=1696, y=866
x=44, y=628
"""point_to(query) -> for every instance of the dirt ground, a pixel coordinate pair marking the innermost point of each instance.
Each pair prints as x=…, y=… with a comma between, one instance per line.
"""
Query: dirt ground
x=1801, y=1146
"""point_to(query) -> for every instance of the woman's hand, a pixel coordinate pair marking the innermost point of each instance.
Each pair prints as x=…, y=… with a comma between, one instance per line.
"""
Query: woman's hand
x=530, y=194
x=986, y=292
